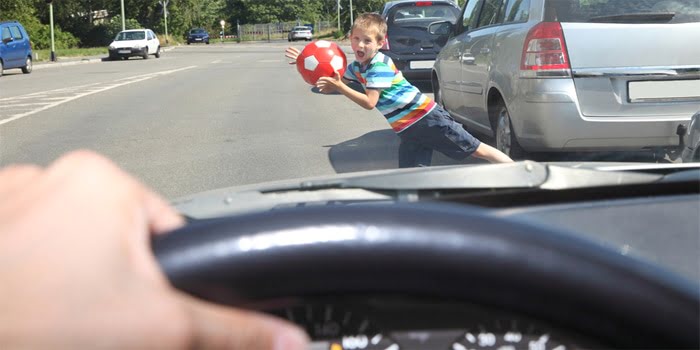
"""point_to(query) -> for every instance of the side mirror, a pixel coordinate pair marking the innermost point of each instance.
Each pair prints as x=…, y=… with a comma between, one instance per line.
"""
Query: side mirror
x=440, y=28
x=7, y=40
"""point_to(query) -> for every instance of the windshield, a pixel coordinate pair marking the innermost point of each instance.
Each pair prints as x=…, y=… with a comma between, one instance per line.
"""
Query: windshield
x=189, y=115
x=130, y=36
x=421, y=15
x=633, y=11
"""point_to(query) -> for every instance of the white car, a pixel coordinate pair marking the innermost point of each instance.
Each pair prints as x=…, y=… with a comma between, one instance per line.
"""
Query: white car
x=300, y=33
x=134, y=42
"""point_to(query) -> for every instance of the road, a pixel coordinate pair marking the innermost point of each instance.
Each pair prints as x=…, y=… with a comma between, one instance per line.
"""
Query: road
x=201, y=117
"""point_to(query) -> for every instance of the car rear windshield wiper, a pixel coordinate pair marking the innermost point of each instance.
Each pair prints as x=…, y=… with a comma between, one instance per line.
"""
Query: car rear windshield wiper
x=642, y=17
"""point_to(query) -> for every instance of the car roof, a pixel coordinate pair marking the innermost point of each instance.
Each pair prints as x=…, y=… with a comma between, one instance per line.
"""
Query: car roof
x=133, y=30
x=9, y=22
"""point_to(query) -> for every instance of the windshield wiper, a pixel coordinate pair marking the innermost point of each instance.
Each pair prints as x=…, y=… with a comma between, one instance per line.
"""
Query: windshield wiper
x=641, y=17
x=520, y=175
x=406, y=185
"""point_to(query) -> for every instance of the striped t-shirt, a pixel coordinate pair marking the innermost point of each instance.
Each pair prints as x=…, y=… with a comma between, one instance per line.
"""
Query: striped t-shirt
x=400, y=102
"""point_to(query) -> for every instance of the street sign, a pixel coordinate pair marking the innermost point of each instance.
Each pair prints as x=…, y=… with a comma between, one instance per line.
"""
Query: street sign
x=222, y=23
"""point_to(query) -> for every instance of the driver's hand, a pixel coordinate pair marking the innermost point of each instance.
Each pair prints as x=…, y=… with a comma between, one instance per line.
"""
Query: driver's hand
x=76, y=268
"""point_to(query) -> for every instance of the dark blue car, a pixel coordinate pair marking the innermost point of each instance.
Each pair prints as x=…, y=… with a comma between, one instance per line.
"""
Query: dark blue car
x=198, y=36
x=15, y=49
x=409, y=44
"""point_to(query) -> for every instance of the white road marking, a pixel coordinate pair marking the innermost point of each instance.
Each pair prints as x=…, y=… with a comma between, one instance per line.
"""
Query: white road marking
x=217, y=61
x=75, y=93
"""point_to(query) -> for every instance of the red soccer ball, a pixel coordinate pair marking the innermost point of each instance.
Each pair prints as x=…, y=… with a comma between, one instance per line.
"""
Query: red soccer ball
x=321, y=59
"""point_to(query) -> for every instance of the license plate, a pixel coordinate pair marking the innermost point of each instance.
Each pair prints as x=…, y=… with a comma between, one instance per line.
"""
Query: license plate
x=198, y=39
x=668, y=90
x=124, y=51
x=421, y=64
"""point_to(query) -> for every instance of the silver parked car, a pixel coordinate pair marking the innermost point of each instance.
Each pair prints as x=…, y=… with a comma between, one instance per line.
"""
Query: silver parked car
x=300, y=33
x=572, y=75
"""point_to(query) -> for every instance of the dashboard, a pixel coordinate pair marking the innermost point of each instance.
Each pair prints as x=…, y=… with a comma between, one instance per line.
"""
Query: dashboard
x=603, y=271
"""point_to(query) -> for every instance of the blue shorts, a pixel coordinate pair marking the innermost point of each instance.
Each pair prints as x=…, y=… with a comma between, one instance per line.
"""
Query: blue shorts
x=435, y=131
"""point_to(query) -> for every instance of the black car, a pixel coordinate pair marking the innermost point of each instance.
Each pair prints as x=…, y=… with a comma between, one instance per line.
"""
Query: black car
x=198, y=36
x=409, y=44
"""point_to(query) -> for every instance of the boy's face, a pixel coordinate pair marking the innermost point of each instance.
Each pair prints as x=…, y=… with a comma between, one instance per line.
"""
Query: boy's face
x=364, y=44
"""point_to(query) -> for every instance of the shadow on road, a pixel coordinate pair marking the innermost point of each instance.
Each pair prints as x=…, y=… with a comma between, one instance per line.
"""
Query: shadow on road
x=376, y=150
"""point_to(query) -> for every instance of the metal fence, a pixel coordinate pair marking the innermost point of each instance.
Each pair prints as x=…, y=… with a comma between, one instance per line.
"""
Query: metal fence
x=272, y=31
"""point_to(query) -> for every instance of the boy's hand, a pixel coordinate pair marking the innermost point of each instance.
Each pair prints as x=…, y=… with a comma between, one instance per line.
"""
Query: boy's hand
x=329, y=85
x=292, y=53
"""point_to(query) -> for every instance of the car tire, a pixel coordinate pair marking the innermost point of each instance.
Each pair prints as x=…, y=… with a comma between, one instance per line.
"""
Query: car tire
x=145, y=54
x=437, y=93
x=1, y=67
x=28, y=67
x=207, y=42
x=158, y=52
x=188, y=43
x=505, y=138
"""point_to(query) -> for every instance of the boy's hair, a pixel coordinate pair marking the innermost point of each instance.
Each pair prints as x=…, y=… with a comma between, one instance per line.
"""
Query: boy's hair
x=371, y=21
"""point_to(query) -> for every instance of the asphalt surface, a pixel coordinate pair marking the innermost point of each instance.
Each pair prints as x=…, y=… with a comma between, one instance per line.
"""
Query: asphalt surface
x=200, y=117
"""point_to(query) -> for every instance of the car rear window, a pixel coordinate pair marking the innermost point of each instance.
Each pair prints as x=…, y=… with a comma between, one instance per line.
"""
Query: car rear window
x=623, y=11
x=131, y=36
x=301, y=29
x=421, y=16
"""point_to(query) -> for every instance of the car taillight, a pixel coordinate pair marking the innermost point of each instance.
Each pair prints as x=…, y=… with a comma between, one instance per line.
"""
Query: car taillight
x=544, y=52
x=386, y=43
x=424, y=3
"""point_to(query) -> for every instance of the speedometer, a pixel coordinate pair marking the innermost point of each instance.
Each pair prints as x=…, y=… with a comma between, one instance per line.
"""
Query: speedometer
x=411, y=324
x=336, y=328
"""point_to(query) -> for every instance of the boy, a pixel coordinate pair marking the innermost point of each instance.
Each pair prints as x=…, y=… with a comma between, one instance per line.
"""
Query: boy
x=421, y=124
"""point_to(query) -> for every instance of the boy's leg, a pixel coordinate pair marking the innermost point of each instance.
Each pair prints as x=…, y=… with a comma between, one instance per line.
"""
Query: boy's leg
x=448, y=137
x=413, y=154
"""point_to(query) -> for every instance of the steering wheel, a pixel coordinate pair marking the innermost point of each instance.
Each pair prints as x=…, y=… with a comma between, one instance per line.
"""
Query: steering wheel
x=434, y=251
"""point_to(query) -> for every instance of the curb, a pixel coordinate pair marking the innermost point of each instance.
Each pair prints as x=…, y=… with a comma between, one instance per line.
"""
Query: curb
x=45, y=65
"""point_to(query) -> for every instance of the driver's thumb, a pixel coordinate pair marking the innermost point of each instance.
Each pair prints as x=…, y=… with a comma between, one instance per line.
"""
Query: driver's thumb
x=220, y=327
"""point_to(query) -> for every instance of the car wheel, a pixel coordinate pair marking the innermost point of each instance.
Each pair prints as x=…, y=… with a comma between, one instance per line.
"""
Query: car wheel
x=506, y=140
x=188, y=43
x=145, y=54
x=158, y=52
x=27, y=66
x=1, y=67
x=437, y=93
x=207, y=42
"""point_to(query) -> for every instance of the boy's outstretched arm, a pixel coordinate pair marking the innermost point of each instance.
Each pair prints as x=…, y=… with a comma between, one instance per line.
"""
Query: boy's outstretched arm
x=366, y=100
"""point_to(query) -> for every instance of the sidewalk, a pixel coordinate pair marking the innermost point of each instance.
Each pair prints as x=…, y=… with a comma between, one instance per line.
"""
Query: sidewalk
x=71, y=61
